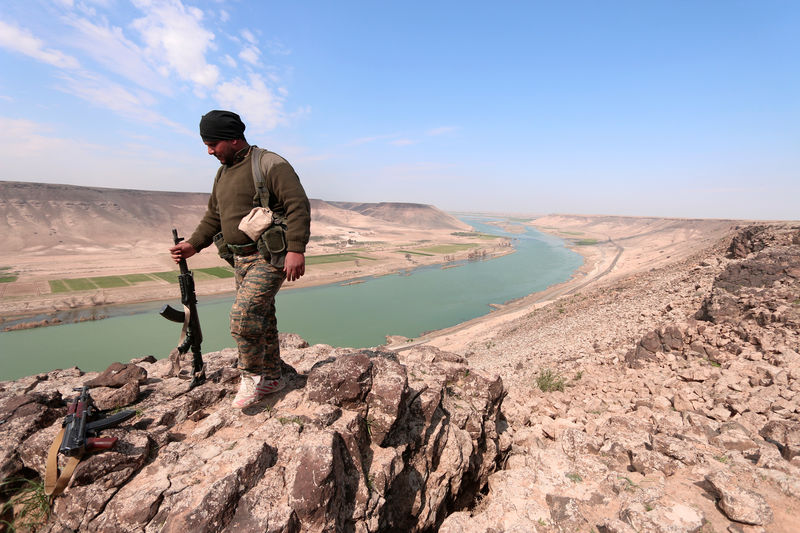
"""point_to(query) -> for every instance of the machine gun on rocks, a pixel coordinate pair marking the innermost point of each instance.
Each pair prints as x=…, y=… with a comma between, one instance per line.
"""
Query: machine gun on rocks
x=77, y=436
x=191, y=335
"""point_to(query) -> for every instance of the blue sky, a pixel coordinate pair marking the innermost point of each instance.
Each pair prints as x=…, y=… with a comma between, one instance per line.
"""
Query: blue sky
x=678, y=109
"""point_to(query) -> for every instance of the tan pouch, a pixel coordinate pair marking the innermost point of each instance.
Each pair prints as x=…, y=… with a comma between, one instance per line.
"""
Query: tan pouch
x=255, y=222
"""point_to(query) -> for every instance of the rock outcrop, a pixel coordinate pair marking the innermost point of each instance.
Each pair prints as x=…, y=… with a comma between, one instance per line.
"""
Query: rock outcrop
x=695, y=427
x=361, y=440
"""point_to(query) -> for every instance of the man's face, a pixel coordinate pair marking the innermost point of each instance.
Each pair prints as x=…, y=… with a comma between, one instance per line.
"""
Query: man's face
x=222, y=150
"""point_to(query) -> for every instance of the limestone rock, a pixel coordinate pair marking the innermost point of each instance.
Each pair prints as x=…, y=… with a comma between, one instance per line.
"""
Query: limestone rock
x=785, y=435
x=106, y=398
x=663, y=517
x=738, y=503
x=119, y=374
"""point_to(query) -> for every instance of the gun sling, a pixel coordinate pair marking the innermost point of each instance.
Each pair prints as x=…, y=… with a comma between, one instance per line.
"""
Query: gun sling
x=54, y=484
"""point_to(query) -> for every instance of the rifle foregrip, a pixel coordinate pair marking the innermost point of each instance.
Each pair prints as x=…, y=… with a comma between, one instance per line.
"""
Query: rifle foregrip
x=186, y=283
x=101, y=443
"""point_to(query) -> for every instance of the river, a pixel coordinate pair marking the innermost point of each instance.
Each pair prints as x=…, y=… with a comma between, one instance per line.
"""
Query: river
x=359, y=315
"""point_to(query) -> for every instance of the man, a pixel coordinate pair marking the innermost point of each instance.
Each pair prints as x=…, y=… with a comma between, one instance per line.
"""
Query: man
x=259, y=272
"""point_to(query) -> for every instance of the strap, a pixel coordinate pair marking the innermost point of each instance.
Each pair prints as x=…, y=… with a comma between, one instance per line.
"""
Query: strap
x=53, y=483
x=262, y=193
x=175, y=355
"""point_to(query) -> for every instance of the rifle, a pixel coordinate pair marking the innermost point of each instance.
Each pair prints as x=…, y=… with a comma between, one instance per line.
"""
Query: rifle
x=78, y=435
x=191, y=335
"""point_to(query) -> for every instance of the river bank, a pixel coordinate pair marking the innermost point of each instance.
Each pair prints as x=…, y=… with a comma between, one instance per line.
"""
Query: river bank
x=612, y=248
x=407, y=303
x=53, y=309
x=600, y=240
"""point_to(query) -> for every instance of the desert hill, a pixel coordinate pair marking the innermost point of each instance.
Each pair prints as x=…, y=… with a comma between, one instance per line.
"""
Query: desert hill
x=36, y=216
x=408, y=214
x=66, y=232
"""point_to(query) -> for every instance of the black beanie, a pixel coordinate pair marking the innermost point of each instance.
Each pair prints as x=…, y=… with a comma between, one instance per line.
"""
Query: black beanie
x=219, y=125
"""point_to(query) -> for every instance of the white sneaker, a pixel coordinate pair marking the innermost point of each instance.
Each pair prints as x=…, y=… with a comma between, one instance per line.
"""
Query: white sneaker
x=247, y=395
x=268, y=386
x=253, y=388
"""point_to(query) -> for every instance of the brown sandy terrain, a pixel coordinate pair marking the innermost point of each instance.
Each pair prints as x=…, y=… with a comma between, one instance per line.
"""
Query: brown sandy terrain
x=65, y=232
x=624, y=246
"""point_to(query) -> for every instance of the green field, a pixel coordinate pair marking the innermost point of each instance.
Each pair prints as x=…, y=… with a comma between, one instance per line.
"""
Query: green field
x=586, y=242
x=169, y=276
x=217, y=272
x=7, y=277
x=79, y=284
x=412, y=252
x=109, y=282
x=58, y=285
x=137, y=278
x=448, y=248
x=334, y=258
x=476, y=235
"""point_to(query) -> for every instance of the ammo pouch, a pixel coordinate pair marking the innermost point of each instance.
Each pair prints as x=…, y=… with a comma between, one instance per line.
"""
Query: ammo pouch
x=222, y=248
x=272, y=244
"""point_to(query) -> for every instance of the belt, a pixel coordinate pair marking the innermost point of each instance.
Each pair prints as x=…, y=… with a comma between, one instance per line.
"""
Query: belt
x=243, y=249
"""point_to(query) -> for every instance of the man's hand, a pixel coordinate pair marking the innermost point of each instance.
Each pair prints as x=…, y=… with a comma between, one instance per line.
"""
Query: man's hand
x=182, y=250
x=294, y=265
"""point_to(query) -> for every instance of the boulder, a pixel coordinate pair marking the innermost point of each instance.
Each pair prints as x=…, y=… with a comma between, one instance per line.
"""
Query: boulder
x=785, y=435
x=119, y=374
x=739, y=503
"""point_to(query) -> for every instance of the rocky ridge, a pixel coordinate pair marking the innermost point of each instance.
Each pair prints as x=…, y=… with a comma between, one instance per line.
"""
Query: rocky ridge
x=361, y=440
x=673, y=400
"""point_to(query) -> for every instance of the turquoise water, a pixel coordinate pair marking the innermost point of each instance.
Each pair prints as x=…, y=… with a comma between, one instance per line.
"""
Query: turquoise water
x=360, y=315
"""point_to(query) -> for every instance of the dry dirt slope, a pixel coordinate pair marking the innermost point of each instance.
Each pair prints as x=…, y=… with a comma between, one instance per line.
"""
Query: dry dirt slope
x=666, y=401
x=68, y=217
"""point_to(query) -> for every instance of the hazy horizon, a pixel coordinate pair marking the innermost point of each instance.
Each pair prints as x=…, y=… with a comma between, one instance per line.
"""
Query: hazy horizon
x=664, y=109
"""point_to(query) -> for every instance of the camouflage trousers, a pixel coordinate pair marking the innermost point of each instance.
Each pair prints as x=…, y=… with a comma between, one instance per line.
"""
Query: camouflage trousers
x=253, y=323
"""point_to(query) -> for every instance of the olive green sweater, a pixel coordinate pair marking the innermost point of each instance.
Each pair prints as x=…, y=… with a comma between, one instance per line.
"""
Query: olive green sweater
x=232, y=199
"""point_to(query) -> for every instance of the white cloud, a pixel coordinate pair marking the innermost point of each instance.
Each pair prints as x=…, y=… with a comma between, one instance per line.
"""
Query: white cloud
x=249, y=37
x=33, y=152
x=367, y=140
x=402, y=142
x=231, y=62
x=260, y=105
x=250, y=54
x=108, y=46
x=440, y=131
x=104, y=93
x=277, y=48
x=224, y=16
x=21, y=138
x=24, y=42
x=175, y=38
